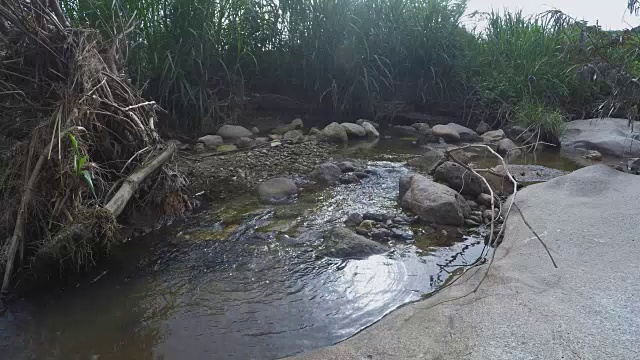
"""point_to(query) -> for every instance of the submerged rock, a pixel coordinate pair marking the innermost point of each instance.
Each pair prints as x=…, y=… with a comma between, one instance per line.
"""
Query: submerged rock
x=594, y=155
x=429, y=161
x=354, y=130
x=335, y=132
x=327, y=173
x=493, y=136
x=433, y=202
x=459, y=178
x=343, y=243
x=609, y=136
x=346, y=166
x=446, y=132
x=233, y=132
x=277, y=190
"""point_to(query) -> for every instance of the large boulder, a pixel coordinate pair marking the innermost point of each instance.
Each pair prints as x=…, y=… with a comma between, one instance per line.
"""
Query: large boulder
x=465, y=133
x=342, y=243
x=370, y=130
x=210, y=141
x=493, y=136
x=429, y=161
x=293, y=136
x=277, y=190
x=446, y=132
x=432, y=202
x=361, y=122
x=460, y=179
x=233, y=132
x=483, y=127
x=354, y=130
x=609, y=136
x=335, y=132
x=327, y=173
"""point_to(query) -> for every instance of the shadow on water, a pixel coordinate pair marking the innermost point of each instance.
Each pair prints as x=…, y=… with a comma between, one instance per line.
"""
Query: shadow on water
x=244, y=281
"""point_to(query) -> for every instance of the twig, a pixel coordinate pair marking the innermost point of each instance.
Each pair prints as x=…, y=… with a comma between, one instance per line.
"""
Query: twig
x=139, y=105
x=537, y=236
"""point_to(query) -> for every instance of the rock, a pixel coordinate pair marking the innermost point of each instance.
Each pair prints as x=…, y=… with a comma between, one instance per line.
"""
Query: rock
x=493, y=136
x=594, y=155
x=426, y=139
x=367, y=225
x=433, y=202
x=346, y=166
x=608, y=136
x=361, y=175
x=634, y=166
x=361, y=122
x=404, y=131
x=470, y=222
x=335, y=132
x=354, y=130
x=508, y=148
x=518, y=133
x=445, y=132
x=349, y=179
x=275, y=136
x=465, y=133
x=199, y=147
x=255, y=130
x=226, y=148
x=420, y=126
x=327, y=173
x=343, y=243
x=210, y=141
x=262, y=140
x=529, y=173
x=233, y=132
x=370, y=130
x=381, y=234
x=354, y=219
x=277, y=190
x=376, y=217
x=293, y=136
x=459, y=178
x=244, y=142
x=297, y=124
x=429, y=161
x=484, y=199
x=472, y=205
x=315, y=131
x=487, y=214
x=402, y=234
x=460, y=155
x=483, y=127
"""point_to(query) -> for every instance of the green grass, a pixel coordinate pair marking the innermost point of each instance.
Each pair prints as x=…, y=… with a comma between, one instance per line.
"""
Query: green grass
x=536, y=116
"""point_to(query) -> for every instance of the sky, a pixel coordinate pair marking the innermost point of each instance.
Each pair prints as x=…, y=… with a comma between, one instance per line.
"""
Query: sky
x=611, y=14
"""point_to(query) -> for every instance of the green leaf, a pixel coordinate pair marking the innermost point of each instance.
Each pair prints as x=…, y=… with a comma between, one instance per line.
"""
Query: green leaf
x=73, y=142
x=87, y=176
x=81, y=162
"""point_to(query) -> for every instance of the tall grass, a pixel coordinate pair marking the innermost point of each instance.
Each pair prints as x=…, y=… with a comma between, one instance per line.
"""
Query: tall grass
x=200, y=57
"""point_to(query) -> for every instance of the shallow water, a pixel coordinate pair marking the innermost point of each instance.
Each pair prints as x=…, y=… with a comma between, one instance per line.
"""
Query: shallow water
x=242, y=282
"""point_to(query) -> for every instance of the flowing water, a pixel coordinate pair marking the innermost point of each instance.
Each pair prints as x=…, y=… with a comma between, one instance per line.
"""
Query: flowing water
x=242, y=282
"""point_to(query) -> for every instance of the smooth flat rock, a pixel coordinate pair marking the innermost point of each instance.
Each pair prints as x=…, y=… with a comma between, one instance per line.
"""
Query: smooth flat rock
x=587, y=308
x=233, y=132
x=465, y=133
x=609, y=136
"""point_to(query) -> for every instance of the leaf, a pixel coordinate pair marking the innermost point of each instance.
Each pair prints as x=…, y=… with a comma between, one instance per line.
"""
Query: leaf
x=73, y=142
x=87, y=177
x=81, y=162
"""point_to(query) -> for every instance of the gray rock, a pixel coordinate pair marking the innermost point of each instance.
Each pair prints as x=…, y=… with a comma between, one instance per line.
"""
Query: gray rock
x=277, y=190
x=487, y=214
x=349, y=179
x=472, y=205
x=354, y=219
x=297, y=124
x=199, y=147
x=470, y=222
x=227, y=148
x=376, y=217
x=483, y=127
x=493, y=136
x=293, y=136
x=361, y=175
x=609, y=136
x=275, y=136
x=508, y=147
x=634, y=166
x=262, y=140
x=255, y=130
x=429, y=161
x=459, y=155
x=315, y=131
x=245, y=142
x=518, y=133
x=381, y=234
x=335, y=132
x=370, y=130
x=465, y=133
x=346, y=166
x=210, y=141
x=343, y=243
x=354, y=130
x=484, y=199
x=426, y=139
x=420, y=127
x=233, y=132
x=361, y=122
x=446, y=132
x=433, y=202
x=327, y=173
x=459, y=179
x=530, y=173
x=594, y=155
x=404, y=131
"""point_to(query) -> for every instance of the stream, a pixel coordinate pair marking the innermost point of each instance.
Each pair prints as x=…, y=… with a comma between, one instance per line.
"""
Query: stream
x=243, y=281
